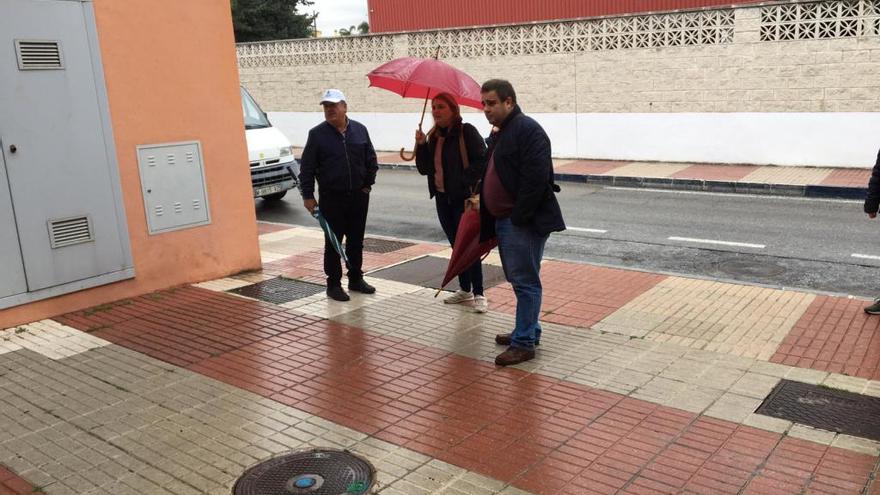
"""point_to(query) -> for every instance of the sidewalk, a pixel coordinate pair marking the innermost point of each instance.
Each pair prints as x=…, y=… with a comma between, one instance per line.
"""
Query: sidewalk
x=643, y=384
x=816, y=182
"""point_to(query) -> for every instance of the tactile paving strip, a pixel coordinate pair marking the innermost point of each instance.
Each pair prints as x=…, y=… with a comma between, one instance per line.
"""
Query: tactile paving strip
x=824, y=408
x=279, y=290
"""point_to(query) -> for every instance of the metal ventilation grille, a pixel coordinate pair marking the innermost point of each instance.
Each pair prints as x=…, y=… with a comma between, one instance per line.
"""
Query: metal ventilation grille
x=69, y=231
x=34, y=55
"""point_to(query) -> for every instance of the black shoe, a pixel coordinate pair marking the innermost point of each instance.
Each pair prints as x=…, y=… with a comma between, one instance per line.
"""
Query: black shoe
x=504, y=339
x=337, y=294
x=361, y=286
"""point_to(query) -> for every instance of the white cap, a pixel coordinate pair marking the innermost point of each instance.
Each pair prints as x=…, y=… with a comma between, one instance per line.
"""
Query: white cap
x=332, y=96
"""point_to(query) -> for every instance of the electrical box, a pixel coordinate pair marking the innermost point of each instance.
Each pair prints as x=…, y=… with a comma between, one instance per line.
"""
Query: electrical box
x=173, y=183
x=62, y=221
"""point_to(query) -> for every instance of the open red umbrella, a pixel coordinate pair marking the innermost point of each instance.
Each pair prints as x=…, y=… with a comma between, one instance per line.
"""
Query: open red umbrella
x=424, y=78
x=468, y=248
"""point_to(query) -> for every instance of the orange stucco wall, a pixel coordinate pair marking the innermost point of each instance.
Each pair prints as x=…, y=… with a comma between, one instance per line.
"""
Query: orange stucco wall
x=171, y=75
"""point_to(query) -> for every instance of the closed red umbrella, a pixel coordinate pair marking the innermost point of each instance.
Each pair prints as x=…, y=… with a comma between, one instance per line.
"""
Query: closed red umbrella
x=425, y=78
x=468, y=248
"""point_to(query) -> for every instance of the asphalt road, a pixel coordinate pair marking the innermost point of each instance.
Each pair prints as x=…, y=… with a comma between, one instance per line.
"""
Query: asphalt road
x=820, y=245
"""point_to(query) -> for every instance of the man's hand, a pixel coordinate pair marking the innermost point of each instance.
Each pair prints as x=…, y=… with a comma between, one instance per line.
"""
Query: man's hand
x=310, y=205
x=872, y=215
x=366, y=190
x=420, y=137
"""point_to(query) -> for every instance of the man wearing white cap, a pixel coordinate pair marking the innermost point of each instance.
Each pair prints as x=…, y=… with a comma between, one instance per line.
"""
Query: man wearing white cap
x=340, y=156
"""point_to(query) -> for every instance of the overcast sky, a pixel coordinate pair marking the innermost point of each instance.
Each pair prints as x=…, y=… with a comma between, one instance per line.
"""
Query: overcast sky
x=337, y=14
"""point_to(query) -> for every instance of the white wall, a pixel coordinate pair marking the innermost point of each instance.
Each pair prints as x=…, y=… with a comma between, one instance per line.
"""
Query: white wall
x=820, y=139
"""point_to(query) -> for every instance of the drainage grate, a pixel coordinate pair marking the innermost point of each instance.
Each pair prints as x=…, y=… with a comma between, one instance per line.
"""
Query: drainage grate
x=320, y=471
x=428, y=271
x=384, y=246
x=825, y=408
x=279, y=290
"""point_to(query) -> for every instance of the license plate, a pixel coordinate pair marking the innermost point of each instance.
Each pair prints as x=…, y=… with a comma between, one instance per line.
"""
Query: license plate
x=262, y=191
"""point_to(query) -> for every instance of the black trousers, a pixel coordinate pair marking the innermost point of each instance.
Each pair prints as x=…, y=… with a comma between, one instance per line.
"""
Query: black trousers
x=346, y=212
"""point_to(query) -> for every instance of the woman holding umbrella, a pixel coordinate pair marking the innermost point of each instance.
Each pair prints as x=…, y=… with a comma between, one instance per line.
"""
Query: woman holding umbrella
x=453, y=155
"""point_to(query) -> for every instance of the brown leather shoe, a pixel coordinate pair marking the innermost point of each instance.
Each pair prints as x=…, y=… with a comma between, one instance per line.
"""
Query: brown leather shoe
x=514, y=355
x=504, y=339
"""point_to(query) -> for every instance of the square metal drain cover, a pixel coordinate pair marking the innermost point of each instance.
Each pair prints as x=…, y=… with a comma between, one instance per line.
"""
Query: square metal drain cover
x=825, y=408
x=428, y=271
x=384, y=246
x=279, y=290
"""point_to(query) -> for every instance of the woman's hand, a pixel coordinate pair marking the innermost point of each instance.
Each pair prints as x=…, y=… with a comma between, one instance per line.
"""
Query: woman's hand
x=420, y=137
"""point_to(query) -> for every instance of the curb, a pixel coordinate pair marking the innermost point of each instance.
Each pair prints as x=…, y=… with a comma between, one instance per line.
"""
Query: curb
x=715, y=186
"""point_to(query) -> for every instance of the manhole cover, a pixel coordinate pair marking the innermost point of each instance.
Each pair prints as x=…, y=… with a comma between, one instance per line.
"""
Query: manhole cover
x=750, y=268
x=279, y=290
x=428, y=271
x=324, y=471
x=384, y=246
x=825, y=408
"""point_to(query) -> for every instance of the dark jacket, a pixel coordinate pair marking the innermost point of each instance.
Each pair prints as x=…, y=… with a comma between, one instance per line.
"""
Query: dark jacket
x=339, y=163
x=521, y=151
x=457, y=181
x=872, y=202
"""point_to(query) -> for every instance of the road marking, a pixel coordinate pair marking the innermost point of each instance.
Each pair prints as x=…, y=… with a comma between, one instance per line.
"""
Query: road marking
x=722, y=243
x=591, y=231
x=865, y=256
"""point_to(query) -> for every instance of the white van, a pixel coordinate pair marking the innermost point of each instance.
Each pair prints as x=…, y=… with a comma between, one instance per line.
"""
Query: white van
x=273, y=167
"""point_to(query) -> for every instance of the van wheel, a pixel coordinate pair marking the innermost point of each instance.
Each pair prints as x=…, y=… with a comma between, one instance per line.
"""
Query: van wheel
x=274, y=197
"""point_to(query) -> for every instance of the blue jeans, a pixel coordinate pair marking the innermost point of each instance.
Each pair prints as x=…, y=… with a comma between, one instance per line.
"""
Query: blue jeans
x=521, y=251
x=449, y=213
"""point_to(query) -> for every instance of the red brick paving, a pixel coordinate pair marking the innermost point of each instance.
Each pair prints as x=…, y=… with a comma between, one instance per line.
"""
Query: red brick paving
x=186, y=325
x=579, y=295
x=12, y=484
x=589, y=167
x=538, y=433
x=715, y=172
x=848, y=178
x=835, y=335
x=266, y=228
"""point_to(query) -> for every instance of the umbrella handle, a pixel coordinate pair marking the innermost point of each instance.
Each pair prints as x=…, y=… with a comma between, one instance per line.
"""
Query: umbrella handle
x=407, y=158
x=421, y=121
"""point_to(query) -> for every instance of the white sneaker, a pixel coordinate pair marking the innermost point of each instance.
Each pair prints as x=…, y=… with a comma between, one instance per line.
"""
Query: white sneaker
x=459, y=296
x=481, y=304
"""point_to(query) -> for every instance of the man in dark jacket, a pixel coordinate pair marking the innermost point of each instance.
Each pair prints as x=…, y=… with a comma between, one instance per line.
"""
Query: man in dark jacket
x=340, y=156
x=872, y=204
x=518, y=205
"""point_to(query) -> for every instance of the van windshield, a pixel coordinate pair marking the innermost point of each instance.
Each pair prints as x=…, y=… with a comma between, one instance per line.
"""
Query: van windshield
x=254, y=118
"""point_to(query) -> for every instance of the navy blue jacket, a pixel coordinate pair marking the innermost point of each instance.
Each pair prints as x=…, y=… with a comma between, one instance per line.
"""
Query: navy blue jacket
x=872, y=202
x=339, y=163
x=521, y=151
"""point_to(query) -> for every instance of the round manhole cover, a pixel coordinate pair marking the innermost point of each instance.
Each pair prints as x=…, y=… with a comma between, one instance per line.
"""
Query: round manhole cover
x=313, y=472
x=750, y=268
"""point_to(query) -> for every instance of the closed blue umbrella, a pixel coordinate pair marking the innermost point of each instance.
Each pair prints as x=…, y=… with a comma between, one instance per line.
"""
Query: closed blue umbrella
x=328, y=232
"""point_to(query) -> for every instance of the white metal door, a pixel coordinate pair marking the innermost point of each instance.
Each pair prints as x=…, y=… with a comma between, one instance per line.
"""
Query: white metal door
x=11, y=269
x=62, y=191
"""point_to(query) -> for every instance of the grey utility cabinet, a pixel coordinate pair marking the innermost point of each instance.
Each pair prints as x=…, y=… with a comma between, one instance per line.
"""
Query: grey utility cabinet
x=62, y=221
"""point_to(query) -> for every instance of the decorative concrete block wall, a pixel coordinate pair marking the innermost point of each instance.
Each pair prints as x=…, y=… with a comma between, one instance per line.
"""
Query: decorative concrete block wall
x=790, y=83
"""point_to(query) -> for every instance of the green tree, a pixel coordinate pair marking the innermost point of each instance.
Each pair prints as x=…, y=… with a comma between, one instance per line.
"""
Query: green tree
x=261, y=20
